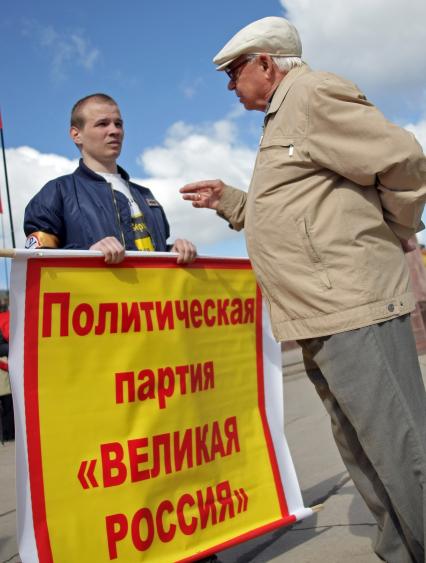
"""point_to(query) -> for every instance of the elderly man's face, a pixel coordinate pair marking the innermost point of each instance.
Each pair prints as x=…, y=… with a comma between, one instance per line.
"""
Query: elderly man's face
x=250, y=82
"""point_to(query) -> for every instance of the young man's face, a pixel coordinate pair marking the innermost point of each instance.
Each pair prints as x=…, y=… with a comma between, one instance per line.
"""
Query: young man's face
x=101, y=136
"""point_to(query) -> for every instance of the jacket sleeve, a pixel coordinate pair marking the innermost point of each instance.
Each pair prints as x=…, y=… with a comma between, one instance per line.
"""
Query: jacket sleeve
x=43, y=219
x=232, y=206
x=350, y=136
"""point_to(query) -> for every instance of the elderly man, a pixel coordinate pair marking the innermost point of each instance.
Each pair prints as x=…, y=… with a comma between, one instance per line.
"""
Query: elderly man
x=97, y=207
x=336, y=193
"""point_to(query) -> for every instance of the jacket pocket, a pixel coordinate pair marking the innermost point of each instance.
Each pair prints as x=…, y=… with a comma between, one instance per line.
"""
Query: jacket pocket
x=312, y=252
x=278, y=143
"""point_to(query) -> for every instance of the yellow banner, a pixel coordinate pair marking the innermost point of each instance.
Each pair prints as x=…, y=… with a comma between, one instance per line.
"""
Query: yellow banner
x=147, y=435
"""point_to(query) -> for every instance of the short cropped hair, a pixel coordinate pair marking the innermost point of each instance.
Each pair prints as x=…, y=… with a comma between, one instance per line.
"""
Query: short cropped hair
x=77, y=119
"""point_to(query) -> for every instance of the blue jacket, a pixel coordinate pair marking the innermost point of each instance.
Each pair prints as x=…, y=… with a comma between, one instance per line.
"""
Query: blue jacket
x=81, y=208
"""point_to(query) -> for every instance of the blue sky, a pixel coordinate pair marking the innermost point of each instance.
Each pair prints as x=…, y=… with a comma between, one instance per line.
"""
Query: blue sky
x=181, y=123
x=153, y=57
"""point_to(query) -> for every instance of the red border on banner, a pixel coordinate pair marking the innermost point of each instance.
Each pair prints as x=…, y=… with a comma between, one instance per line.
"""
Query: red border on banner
x=32, y=414
x=35, y=462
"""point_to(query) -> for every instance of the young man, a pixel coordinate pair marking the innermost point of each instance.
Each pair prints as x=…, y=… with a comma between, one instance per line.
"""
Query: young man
x=97, y=207
x=336, y=193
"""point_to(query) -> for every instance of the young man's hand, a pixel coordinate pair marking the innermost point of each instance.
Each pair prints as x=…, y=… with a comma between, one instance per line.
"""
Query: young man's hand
x=111, y=248
x=186, y=250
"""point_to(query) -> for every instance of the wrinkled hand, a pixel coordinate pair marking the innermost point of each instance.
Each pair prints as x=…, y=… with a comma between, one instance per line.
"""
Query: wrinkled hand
x=111, y=248
x=206, y=193
x=186, y=250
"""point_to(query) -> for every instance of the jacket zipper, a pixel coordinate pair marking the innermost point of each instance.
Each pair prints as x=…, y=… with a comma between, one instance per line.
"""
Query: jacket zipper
x=117, y=215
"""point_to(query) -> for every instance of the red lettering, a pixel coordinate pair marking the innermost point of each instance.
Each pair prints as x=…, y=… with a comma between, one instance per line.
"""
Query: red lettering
x=136, y=458
x=113, y=469
x=166, y=385
x=182, y=311
x=208, y=375
x=231, y=432
x=237, y=311
x=63, y=300
x=165, y=535
x=183, y=449
x=187, y=528
x=196, y=313
x=105, y=309
x=217, y=443
x=116, y=530
x=201, y=451
x=165, y=315
x=142, y=544
x=121, y=378
x=83, y=327
x=209, y=320
x=224, y=497
x=157, y=441
x=206, y=507
x=147, y=307
x=182, y=372
x=222, y=316
x=130, y=317
x=196, y=374
x=249, y=310
x=146, y=389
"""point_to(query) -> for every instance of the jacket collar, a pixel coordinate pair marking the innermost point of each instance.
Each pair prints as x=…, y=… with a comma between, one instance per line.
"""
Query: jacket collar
x=88, y=172
x=284, y=86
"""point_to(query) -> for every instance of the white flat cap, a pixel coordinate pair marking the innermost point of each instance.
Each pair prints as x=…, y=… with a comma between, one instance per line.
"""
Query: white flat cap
x=272, y=35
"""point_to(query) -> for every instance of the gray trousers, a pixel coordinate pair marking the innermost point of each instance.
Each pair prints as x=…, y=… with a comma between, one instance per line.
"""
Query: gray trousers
x=370, y=383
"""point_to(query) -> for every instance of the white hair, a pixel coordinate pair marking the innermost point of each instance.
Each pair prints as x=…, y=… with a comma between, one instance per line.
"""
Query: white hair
x=284, y=64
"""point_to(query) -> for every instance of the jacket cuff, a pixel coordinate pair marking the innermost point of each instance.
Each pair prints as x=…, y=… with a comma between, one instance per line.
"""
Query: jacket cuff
x=231, y=207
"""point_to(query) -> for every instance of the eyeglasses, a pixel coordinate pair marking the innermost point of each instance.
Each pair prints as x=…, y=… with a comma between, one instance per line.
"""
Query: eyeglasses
x=232, y=72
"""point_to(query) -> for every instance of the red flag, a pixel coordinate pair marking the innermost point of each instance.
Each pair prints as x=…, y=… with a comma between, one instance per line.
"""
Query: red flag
x=1, y=122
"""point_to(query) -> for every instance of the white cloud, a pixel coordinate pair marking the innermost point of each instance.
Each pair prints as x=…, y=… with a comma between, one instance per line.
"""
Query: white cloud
x=190, y=88
x=65, y=49
x=28, y=170
x=190, y=153
x=379, y=44
x=419, y=130
x=87, y=55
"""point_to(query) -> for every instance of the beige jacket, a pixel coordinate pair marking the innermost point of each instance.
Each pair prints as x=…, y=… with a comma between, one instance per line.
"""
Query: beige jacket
x=335, y=186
